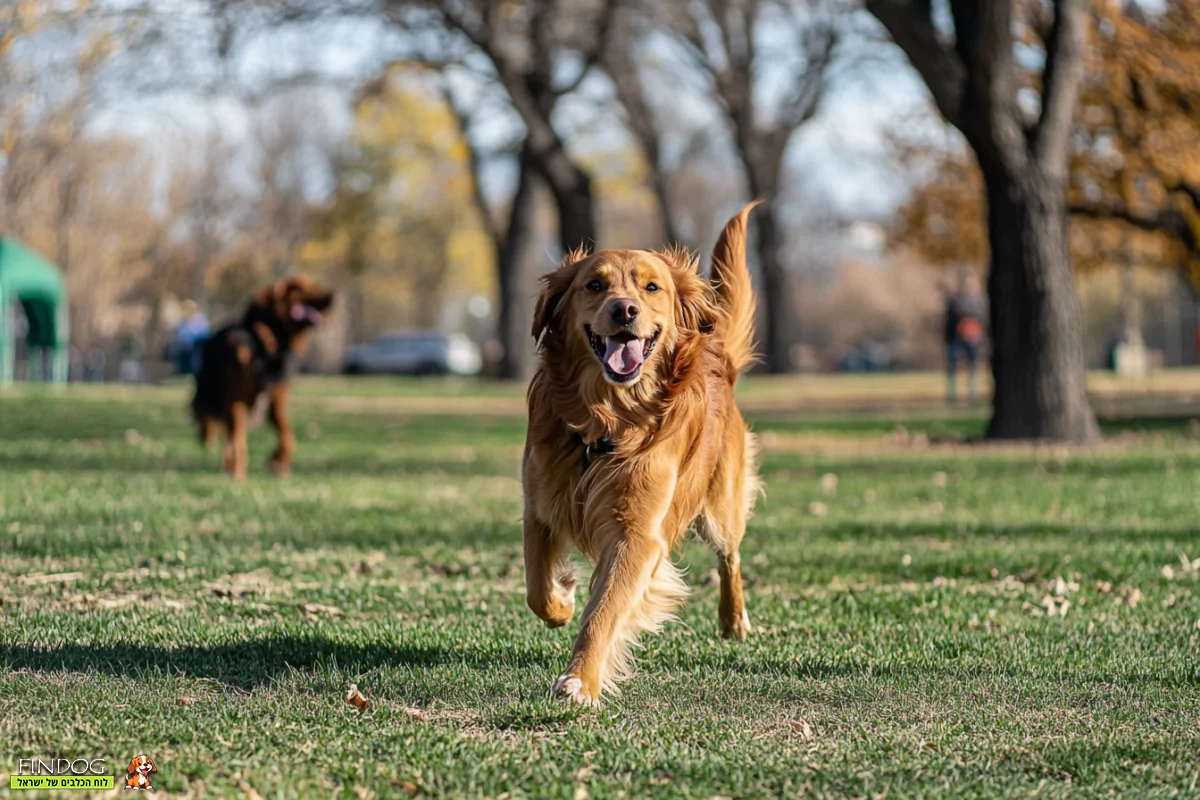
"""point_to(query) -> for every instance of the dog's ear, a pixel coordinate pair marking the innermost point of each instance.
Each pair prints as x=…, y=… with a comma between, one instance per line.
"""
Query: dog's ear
x=152, y=767
x=267, y=296
x=132, y=768
x=696, y=310
x=555, y=286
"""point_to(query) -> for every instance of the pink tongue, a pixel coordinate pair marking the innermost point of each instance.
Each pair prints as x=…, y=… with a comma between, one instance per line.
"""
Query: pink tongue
x=622, y=357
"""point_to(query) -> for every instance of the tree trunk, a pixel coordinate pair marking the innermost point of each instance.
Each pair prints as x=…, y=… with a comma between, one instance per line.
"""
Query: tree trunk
x=575, y=207
x=515, y=292
x=1037, y=325
x=775, y=295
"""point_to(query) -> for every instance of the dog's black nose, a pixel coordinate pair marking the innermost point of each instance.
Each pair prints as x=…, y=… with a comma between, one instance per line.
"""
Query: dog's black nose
x=623, y=310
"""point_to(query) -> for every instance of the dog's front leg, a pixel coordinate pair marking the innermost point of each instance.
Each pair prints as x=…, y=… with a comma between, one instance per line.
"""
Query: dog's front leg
x=281, y=420
x=634, y=589
x=549, y=581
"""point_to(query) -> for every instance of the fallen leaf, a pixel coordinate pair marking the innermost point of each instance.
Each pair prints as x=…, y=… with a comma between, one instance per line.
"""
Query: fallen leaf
x=906, y=559
x=802, y=727
x=415, y=714
x=187, y=701
x=941, y=479
x=829, y=483
x=818, y=509
x=356, y=698
x=317, y=608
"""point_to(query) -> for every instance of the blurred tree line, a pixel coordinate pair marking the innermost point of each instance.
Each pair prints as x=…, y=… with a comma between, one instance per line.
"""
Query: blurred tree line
x=475, y=141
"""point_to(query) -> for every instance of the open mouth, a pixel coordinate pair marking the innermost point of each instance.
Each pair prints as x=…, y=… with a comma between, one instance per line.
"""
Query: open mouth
x=621, y=354
x=307, y=314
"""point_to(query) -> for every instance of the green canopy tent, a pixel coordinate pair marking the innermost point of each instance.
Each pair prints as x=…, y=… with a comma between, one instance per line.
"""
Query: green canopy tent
x=35, y=283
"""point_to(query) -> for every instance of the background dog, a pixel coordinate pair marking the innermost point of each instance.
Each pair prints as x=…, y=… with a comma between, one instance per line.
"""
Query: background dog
x=633, y=438
x=257, y=356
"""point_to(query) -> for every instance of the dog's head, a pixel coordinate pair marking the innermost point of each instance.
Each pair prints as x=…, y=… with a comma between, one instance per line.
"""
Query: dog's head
x=290, y=306
x=622, y=315
x=141, y=765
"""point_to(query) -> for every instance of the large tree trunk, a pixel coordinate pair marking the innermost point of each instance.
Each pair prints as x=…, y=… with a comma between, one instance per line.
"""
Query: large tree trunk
x=1036, y=323
x=572, y=195
x=775, y=295
x=515, y=291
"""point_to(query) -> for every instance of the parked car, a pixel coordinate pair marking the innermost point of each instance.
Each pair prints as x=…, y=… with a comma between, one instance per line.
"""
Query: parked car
x=414, y=353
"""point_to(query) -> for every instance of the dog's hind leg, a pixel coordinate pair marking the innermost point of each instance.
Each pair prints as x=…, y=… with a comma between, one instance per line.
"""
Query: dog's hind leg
x=549, y=579
x=208, y=431
x=723, y=525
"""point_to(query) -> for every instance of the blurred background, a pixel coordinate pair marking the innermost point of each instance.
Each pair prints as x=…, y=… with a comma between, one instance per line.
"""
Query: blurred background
x=429, y=160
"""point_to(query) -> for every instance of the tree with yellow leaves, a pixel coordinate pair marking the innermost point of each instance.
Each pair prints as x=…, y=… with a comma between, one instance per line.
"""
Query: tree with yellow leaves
x=1138, y=126
x=403, y=221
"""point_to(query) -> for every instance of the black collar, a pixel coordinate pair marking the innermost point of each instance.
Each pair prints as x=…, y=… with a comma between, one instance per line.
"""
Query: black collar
x=601, y=447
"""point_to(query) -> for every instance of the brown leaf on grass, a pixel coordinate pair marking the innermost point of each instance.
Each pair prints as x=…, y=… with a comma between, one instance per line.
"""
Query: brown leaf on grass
x=829, y=483
x=317, y=608
x=233, y=591
x=818, y=509
x=186, y=701
x=415, y=714
x=356, y=698
x=802, y=727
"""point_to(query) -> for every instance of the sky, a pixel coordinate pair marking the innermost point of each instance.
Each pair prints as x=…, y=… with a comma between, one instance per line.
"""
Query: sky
x=838, y=163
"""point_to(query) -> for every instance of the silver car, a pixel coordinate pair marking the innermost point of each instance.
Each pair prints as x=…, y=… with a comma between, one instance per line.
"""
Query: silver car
x=414, y=353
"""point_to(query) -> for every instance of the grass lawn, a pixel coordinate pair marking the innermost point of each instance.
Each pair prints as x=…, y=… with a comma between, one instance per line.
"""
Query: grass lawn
x=934, y=621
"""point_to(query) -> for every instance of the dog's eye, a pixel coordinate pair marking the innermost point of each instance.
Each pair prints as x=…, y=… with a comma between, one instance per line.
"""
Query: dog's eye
x=651, y=287
x=594, y=286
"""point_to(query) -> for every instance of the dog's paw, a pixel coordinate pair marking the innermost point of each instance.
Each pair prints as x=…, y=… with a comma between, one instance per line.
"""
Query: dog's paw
x=738, y=629
x=560, y=610
x=572, y=688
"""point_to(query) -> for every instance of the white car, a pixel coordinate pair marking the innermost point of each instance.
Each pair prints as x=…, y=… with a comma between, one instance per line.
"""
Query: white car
x=414, y=353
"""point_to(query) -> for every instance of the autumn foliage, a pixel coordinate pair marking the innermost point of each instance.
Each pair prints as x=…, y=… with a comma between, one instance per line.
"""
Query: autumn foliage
x=1135, y=165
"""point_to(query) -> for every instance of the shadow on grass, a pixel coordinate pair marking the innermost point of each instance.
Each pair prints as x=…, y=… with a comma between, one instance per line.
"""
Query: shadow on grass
x=256, y=662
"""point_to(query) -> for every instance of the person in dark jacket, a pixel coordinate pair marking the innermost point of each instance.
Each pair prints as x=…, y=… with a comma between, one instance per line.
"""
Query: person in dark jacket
x=965, y=333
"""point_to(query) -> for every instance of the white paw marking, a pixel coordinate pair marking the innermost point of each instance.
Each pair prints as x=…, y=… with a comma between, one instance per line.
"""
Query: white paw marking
x=571, y=688
x=745, y=620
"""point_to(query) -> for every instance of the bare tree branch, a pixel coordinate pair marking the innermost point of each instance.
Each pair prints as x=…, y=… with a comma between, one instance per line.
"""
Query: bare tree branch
x=1061, y=81
x=910, y=22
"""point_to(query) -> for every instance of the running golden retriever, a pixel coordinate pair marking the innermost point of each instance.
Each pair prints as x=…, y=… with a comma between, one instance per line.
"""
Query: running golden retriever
x=633, y=438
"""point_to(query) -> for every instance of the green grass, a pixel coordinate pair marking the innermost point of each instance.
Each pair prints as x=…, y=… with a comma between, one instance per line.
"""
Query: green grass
x=901, y=614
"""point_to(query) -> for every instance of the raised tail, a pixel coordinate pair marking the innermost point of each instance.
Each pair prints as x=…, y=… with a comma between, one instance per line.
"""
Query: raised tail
x=735, y=295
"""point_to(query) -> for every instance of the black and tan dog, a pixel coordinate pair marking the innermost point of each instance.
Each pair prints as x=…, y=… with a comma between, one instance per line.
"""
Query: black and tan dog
x=255, y=357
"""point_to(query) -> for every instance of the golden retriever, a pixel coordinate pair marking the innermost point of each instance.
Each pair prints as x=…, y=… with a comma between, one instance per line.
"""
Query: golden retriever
x=634, y=437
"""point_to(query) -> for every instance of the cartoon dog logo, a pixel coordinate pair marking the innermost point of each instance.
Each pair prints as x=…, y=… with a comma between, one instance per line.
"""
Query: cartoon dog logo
x=137, y=775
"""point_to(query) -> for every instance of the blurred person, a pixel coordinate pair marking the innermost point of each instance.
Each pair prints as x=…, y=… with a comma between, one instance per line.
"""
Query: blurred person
x=130, y=368
x=966, y=323
x=193, y=331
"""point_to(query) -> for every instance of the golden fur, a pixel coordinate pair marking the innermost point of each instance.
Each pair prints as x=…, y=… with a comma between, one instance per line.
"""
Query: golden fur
x=682, y=456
